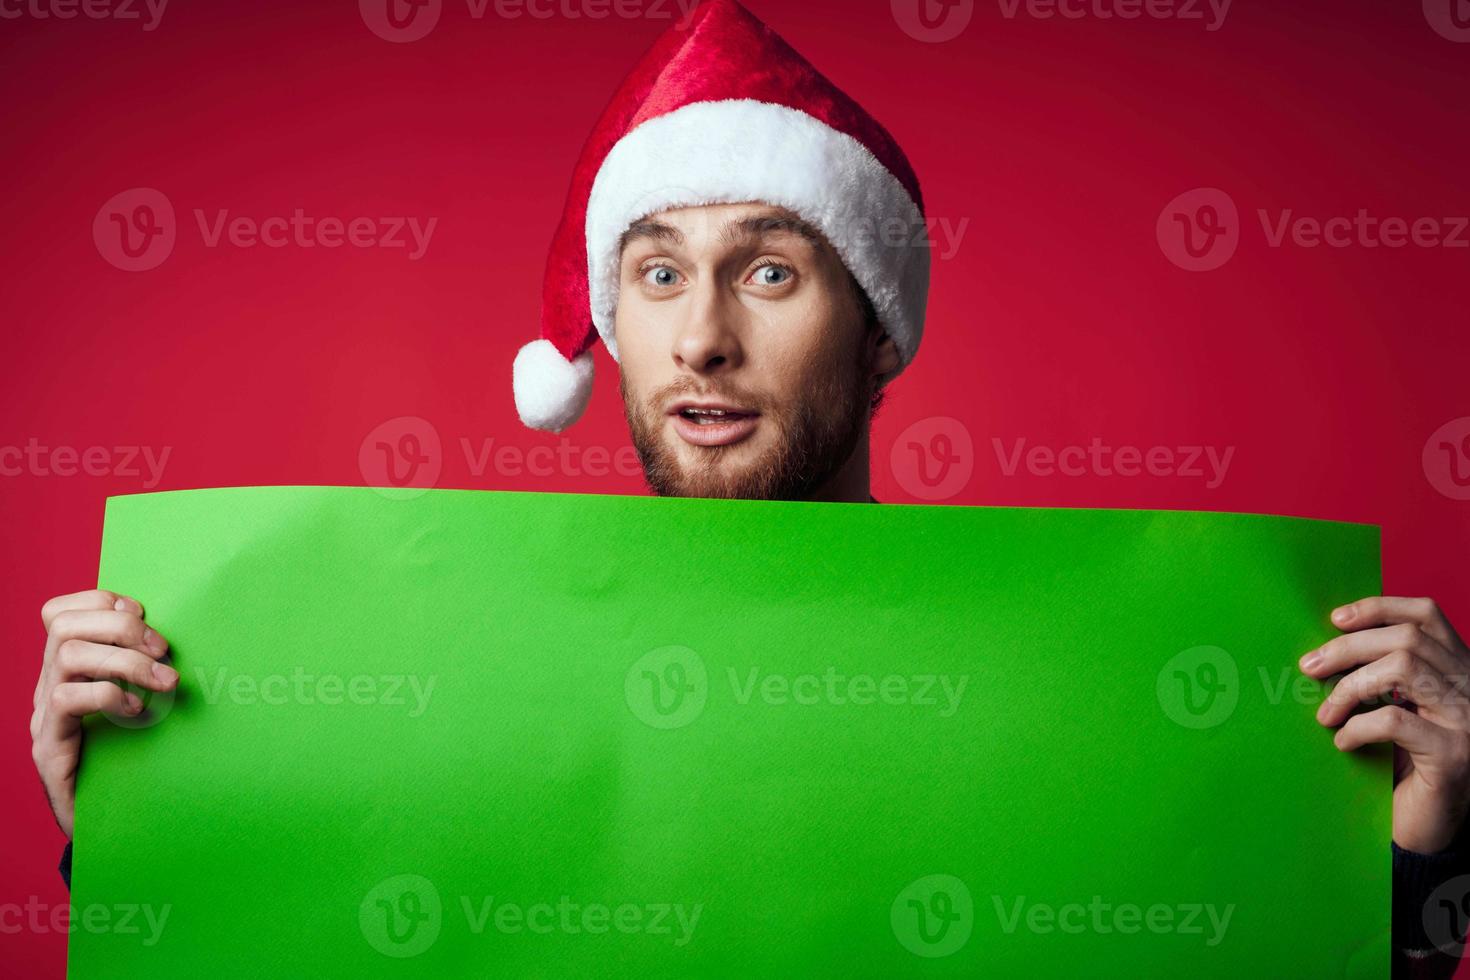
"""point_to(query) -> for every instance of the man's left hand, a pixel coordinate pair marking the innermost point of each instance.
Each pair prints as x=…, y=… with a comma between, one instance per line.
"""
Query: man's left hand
x=1405, y=652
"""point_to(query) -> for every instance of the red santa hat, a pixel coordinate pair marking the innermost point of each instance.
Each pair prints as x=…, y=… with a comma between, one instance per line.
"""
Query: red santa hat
x=721, y=111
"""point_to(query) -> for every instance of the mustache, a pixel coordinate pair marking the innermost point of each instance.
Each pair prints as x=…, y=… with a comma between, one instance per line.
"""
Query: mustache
x=687, y=388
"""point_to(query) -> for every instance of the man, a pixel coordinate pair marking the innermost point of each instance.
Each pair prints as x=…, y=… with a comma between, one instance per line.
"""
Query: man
x=725, y=235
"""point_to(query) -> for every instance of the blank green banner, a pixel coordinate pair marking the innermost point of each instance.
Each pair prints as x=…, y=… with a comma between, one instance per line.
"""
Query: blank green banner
x=462, y=733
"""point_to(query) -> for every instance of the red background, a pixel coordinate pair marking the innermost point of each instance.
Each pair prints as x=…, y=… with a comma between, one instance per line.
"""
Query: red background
x=1059, y=319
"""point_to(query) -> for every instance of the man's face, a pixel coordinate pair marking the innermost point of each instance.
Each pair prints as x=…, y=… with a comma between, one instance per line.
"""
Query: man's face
x=747, y=367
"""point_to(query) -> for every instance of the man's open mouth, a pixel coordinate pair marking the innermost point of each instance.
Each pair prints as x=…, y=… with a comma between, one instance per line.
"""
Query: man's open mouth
x=708, y=416
x=713, y=424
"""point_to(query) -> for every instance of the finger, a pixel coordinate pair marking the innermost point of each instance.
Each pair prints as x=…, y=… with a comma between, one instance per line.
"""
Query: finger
x=1415, y=734
x=90, y=599
x=108, y=626
x=71, y=701
x=121, y=629
x=1351, y=650
x=1386, y=610
x=1401, y=672
x=81, y=660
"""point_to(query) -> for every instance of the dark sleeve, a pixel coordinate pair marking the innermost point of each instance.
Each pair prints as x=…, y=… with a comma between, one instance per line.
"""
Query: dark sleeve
x=65, y=866
x=1428, y=936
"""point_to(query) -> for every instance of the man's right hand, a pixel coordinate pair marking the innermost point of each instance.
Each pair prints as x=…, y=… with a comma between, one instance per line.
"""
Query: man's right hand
x=92, y=639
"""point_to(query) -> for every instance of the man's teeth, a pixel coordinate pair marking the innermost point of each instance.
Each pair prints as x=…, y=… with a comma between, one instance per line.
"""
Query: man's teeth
x=706, y=416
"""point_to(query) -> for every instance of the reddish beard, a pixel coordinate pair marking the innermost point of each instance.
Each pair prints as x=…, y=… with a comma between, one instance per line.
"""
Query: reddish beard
x=814, y=435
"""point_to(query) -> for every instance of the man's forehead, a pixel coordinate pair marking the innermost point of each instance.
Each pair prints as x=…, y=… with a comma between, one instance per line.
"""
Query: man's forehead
x=723, y=224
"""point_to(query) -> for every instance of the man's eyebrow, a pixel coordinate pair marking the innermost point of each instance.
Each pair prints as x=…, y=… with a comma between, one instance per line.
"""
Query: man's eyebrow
x=749, y=229
x=655, y=230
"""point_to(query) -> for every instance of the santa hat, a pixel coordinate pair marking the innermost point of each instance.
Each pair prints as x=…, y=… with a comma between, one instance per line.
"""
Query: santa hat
x=722, y=111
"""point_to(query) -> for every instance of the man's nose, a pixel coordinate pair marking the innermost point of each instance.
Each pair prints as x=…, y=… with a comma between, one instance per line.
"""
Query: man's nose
x=707, y=338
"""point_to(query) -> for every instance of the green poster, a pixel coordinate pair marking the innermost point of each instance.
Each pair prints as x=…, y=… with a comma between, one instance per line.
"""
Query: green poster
x=462, y=733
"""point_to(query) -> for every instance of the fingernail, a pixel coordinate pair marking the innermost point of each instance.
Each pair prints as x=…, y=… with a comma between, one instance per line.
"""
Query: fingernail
x=154, y=641
x=131, y=703
x=1342, y=615
x=164, y=674
x=1310, y=661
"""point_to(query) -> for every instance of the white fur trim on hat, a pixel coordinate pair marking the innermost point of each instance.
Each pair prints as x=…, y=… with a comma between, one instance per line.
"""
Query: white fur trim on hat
x=551, y=391
x=740, y=150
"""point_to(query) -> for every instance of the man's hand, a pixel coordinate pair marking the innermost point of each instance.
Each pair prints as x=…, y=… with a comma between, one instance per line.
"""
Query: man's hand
x=92, y=639
x=1406, y=652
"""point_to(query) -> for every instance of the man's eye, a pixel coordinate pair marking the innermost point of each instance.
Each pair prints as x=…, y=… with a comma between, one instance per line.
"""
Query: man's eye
x=661, y=275
x=772, y=275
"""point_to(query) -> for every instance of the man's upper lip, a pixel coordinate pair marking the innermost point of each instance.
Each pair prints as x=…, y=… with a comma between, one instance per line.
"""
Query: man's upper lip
x=684, y=403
